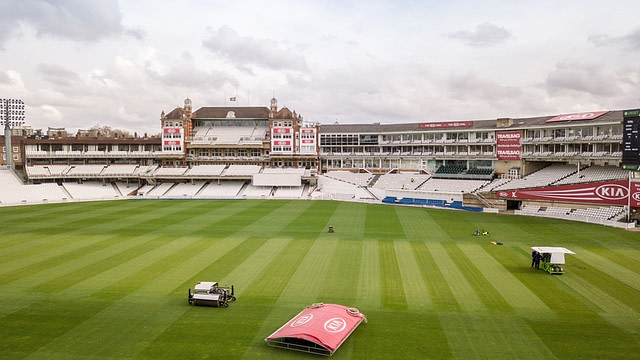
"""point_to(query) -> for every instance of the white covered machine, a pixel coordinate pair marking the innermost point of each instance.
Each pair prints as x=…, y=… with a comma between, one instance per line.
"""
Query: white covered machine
x=552, y=258
x=209, y=293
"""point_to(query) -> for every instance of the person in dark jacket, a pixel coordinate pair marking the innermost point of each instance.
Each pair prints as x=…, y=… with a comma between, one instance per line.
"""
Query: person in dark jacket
x=536, y=259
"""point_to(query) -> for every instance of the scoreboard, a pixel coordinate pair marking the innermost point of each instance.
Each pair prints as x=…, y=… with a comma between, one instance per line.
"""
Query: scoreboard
x=630, y=139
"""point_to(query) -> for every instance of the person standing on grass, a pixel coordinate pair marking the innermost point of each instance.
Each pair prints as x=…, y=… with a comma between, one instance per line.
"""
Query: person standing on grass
x=536, y=259
x=533, y=258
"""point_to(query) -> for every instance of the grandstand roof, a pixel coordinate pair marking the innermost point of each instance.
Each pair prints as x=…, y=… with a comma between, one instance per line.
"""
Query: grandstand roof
x=95, y=140
x=241, y=112
x=518, y=123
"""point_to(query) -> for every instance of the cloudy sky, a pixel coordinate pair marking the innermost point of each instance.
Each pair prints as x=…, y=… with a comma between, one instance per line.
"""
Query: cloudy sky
x=120, y=63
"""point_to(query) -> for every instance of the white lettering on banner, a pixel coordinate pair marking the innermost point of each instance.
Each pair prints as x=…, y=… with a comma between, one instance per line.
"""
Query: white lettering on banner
x=635, y=196
x=611, y=192
x=509, y=135
x=513, y=194
x=335, y=325
x=302, y=320
x=577, y=116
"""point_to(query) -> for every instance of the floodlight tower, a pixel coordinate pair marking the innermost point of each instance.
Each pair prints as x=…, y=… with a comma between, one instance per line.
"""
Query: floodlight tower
x=11, y=114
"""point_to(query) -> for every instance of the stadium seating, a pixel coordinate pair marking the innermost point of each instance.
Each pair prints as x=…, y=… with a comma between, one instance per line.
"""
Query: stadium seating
x=205, y=170
x=449, y=185
x=400, y=181
x=289, y=192
x=330, y=188
x=543, y=177
x=184, y=190
x=227, y=189
x=257, y=192
x=595, y=173
x=170, y=171
x=91, y=191
x=242, y=170
x=359, y=179
x=115, y=170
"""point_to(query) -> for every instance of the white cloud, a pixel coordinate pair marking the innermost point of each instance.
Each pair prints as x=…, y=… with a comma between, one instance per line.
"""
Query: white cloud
x=484, y=35
x=116, y=63
x=246, y=52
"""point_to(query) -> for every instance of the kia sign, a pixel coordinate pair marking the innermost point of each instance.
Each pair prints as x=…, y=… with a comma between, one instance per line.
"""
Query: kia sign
x=610, y=192
x=578, y=116
x=635, y=194
x=508, y=145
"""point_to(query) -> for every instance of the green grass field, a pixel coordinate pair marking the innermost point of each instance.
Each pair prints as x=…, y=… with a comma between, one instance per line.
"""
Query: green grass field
x=109, y=280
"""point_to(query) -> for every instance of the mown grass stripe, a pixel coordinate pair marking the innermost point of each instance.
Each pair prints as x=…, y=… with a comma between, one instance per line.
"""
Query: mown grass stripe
x=245, y=273
x=304, y=286
x=382, y=224
x=81, y=300
x=607, y=266
x=152, y=283
x=585, y=336
x=310, y=220
x=340, y=284
x=471, y=334
x=610, y=308
x=416, y=291
x=370, y=280
x=48, y=256
x=393, y=292
x=415, y=226
x=149, y=281
x=268, y=287
x=594, y=272
x=510, y=288
x=441, y=297
x=463, y=292
x=578, y=324
x=481, y=285
x=556, y=296
x=348, y=221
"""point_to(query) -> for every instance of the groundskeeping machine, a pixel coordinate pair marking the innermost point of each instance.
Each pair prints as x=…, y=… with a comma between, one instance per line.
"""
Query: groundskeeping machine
x=552, y=258
x=209, y=293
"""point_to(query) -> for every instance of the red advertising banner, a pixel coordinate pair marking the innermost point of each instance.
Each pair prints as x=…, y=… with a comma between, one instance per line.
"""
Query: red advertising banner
x=508, y=145
x=307, y=141
x=281, y=130
x=308, y=131
x=609, y=192
x=171, y=130
x=578, y=116
x=448, y=124
x=282, y=142
x=171, y=142
x=634, y=201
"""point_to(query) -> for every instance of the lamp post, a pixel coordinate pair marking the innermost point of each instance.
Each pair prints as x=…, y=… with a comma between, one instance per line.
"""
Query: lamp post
x=11, y=114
